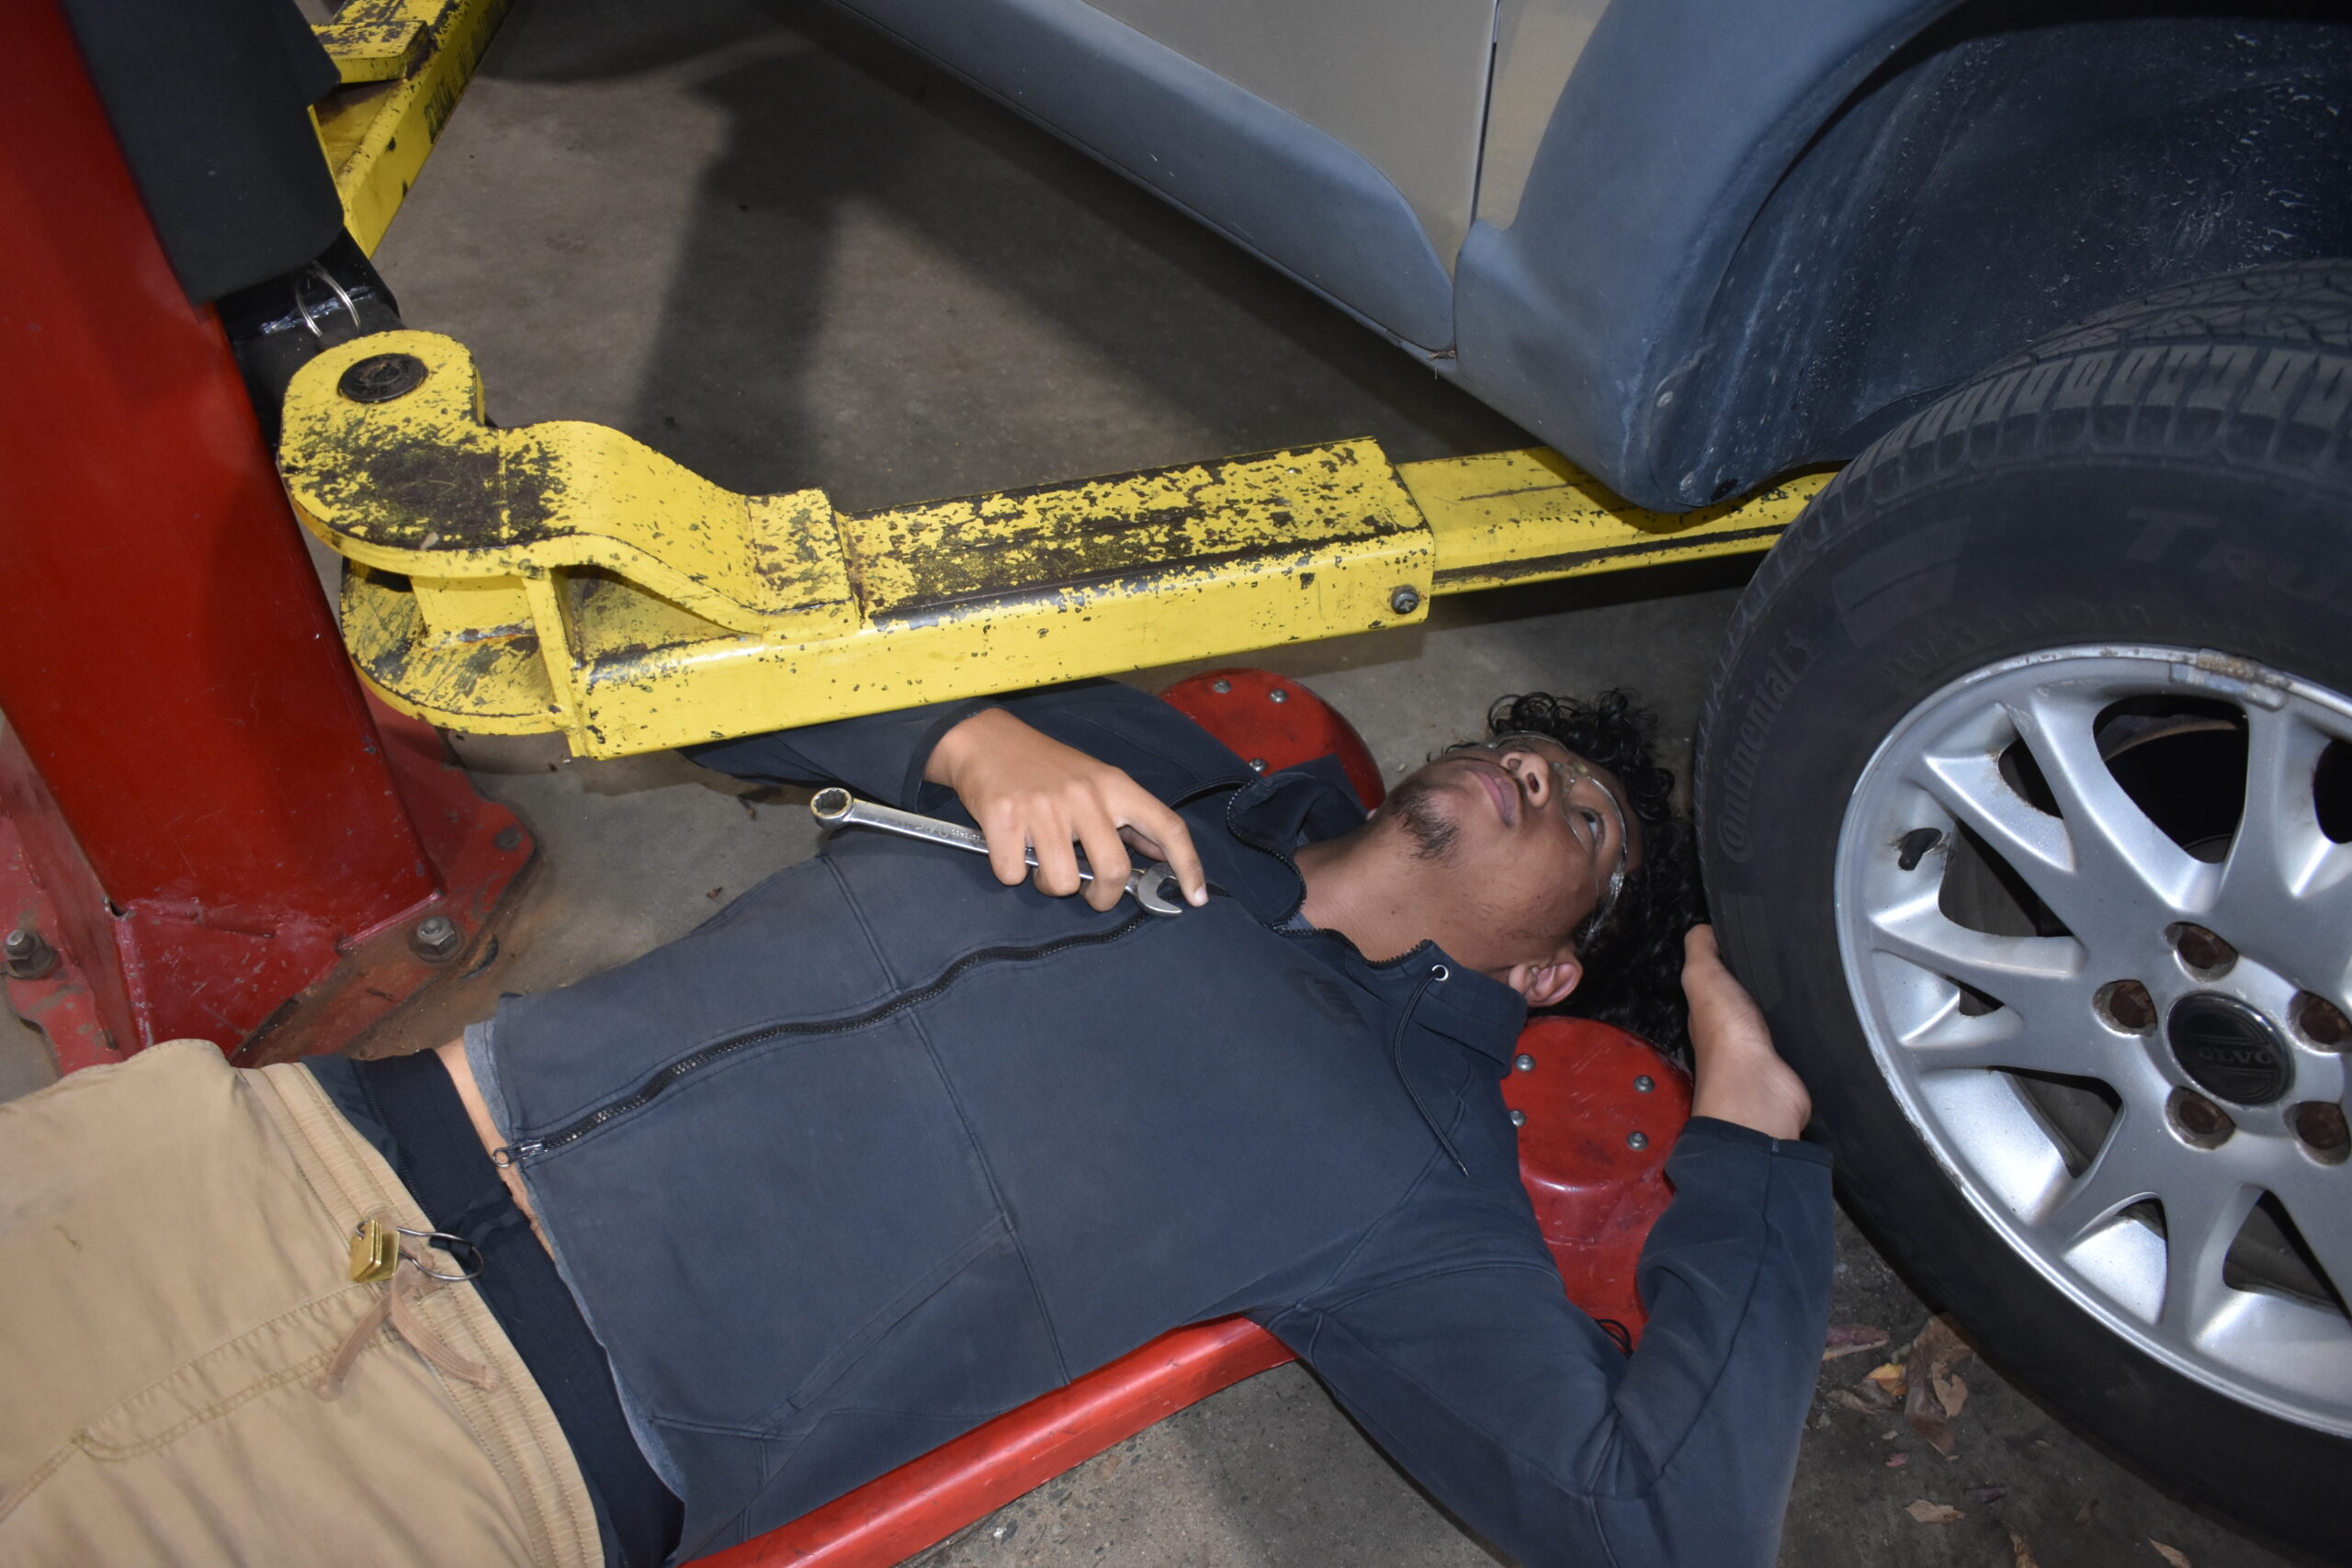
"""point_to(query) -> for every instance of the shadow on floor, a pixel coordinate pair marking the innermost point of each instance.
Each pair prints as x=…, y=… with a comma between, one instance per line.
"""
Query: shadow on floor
x=893, y=287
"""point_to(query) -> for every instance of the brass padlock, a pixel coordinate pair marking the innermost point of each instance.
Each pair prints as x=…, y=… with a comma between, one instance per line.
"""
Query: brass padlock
x=375, y=1251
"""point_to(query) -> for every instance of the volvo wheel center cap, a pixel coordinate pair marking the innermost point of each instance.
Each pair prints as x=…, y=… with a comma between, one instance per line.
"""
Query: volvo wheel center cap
x=2233, y=1052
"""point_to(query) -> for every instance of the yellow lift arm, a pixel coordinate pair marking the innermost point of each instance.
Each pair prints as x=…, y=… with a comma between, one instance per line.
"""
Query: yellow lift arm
x=564, y=577
x=404, y=64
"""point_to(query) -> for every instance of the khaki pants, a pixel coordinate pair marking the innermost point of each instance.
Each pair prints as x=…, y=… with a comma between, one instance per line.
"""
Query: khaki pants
x=174, y=1281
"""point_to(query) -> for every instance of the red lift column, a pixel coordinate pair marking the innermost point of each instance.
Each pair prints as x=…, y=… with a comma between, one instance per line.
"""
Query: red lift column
x=206, y=831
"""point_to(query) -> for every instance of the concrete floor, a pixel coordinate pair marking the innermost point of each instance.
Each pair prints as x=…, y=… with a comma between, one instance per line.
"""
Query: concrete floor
x=784, y=253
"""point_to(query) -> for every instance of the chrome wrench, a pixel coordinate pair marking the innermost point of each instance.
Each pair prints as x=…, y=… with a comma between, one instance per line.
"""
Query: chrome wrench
x=836, y=807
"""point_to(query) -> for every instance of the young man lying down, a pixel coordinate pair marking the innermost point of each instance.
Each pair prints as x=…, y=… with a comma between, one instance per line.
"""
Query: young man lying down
x=905, y=1137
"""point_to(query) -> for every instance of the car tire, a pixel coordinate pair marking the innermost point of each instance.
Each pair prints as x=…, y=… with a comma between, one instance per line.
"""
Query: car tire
x=2046, y=697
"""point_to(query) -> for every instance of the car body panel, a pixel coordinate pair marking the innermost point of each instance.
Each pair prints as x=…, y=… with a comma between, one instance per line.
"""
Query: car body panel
x=1708, y=240
x=1537, y=44
x=1628, y=145
x=1678, y=118
x=1994, y=183
x=1401, y=82
x=1296, y=195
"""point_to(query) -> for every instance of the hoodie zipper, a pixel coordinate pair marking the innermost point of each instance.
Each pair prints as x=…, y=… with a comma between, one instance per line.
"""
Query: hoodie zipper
x=1264, y=848
x=685, y=1067
x=1396, y=1060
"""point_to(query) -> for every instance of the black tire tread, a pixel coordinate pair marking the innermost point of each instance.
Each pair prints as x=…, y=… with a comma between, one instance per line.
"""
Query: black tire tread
x=2197, y=373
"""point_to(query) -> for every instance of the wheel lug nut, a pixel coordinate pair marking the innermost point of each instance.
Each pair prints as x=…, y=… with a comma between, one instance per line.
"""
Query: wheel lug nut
x=2321, y=1126
x=2128, y=1005
x=2202, y=951
x=2199, y=1121
x=2322, y=1021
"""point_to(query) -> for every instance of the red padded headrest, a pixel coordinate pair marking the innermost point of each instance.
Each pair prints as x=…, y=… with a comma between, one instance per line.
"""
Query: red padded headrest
x=1592, y=1151
x=1273, y=719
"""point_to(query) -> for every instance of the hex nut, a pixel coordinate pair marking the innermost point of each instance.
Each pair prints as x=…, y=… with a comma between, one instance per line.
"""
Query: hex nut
x=1220, y=686
x=436, y=939
x=1638, y=1140
x=1643, y=1084
x=1278, y=696
x=1518, y=1117
x=1524, y=1062
x=26, y=957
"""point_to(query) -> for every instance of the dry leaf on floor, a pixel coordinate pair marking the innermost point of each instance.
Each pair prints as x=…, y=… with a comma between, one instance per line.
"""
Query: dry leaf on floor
x=1933, y=1430
x=1851, y=1339
x=1874, y=1395
x=1985, y=1493
x=2023, y=1554
x=1887, y=1378
x=1921, y=1415
x=1848, y=1399
x=1939, y=1347
x=1934, y=1394
x=1896, y=1462
x=1929, y=1513
x=2172, y=1554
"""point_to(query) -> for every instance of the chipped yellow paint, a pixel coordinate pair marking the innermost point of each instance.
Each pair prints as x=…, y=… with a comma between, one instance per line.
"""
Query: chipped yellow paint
x=564, y=577
x=1526, y=516
x=404, y=64
x=379, y=41
x=470, y=609
x=422, y=482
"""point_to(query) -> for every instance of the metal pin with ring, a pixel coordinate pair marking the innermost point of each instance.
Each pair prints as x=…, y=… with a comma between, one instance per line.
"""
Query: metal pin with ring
x=350, y=306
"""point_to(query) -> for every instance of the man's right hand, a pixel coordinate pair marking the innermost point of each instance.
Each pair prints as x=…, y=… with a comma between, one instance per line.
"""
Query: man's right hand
x=1027, y=790
x=1739, y=1078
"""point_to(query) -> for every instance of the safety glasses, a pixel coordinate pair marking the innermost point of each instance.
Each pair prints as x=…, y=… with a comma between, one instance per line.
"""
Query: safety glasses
x=1568, y=770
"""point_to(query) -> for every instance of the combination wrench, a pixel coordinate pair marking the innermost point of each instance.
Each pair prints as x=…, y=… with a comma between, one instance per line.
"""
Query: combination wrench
x=836, y=807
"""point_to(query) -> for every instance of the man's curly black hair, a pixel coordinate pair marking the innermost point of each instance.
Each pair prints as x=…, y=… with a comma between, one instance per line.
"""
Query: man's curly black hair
x=1633, y=964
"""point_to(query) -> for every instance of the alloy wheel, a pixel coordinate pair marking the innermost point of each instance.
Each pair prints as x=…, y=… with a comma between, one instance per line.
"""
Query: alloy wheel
x=2094, y=906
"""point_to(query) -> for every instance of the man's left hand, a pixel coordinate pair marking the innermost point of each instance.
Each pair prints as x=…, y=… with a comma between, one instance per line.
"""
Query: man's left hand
x=1739, y=1076
x=1027, y=790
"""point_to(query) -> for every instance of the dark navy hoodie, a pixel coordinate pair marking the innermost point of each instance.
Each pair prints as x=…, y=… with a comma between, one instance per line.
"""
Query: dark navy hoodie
x=887, y=1148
